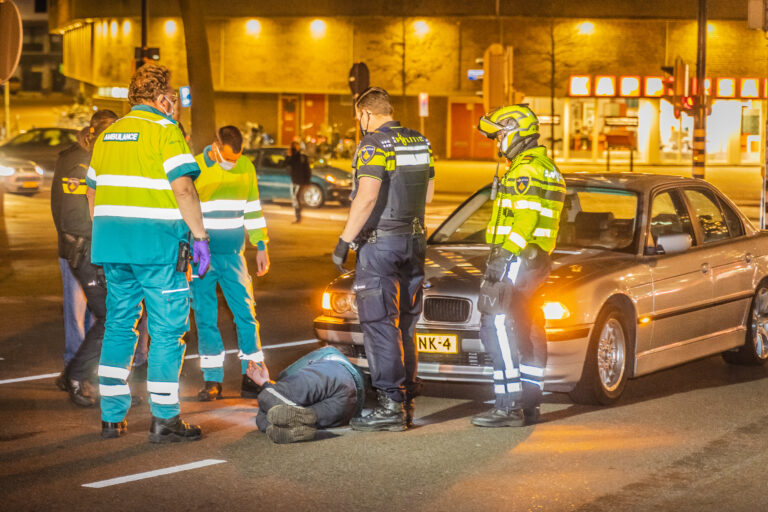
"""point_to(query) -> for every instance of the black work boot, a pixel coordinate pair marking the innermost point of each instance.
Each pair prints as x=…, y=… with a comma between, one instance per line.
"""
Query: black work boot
x=173, y=430
x=249, y=389
x=111, y=430
x=211, y=391
x=81, y=392
x=531, y=414
x=389, y=415
x=500, y=418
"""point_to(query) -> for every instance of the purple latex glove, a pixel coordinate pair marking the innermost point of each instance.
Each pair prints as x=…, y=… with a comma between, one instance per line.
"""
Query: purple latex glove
x=201, y=256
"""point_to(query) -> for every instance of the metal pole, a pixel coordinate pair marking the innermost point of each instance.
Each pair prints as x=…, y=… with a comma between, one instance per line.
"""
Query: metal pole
x=7, y=103
x=700, y=119
x=144, y=17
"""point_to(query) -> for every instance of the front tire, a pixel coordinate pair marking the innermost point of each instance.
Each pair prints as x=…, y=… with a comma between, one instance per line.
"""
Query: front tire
x=754, y=351
x=605, y=373
x=312, y=196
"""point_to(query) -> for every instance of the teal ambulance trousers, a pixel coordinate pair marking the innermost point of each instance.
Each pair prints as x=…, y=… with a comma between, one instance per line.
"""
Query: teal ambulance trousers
x=231, y=273
x=166, y=295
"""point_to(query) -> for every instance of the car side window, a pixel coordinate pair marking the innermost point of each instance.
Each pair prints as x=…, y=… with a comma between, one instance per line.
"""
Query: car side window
x=669, y=217
x=706, y=210
x=24, y=138
x=732, y=220
x=276, y=160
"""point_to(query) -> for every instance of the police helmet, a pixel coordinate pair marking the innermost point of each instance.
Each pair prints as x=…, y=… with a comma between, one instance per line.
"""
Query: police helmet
x=514, y=126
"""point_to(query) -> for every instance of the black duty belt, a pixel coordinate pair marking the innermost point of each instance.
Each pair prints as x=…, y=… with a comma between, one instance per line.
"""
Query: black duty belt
x=414, y=228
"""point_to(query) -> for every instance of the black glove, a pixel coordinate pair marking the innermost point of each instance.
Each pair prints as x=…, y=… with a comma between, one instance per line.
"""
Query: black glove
x=498, y=263
x=339, y=256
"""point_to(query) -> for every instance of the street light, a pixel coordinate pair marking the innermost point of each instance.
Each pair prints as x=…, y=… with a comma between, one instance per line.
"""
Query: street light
x=170, y=28
x=585, y=28
x=317, y=28
x=421, y=28
x=253, y=27
x=126, y=27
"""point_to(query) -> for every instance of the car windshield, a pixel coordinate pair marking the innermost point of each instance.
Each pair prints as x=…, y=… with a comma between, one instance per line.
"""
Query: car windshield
x=592, y=217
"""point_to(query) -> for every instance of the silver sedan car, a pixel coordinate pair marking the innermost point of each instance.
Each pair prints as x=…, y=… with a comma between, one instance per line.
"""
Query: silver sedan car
x=649, y=272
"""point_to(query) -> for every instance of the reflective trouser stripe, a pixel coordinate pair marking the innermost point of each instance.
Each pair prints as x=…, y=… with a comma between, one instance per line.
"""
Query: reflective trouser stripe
x=498, y=389
x=215, y=361
x=514, y=268
x=256, y=357
x=536, y=383
x=280, y=396
x=513, y=387
x=113, y=372
x=506, y=353
x=165, y=393
x=534, y=371
x=114, y=390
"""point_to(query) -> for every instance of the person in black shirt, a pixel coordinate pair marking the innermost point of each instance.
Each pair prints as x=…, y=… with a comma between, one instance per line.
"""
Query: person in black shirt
x=300, y=176
x=71, y=215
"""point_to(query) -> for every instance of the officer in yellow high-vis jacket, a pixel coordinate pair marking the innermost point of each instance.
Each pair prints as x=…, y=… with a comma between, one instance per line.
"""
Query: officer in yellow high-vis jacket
x=521, y=233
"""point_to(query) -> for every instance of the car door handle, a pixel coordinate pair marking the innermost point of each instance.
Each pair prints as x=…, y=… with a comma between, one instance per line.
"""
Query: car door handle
x=748, y=258
x=704, y=268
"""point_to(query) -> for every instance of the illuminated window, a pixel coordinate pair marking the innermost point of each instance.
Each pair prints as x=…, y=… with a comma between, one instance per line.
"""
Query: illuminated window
x=654, y=86
x=318, y=28
x=113, y=28
x=126, y=27
x=421, y=28
x=605, y=86
x=726, y=87
x=749, y=88
x=580, y=86
x=253, y=27
x=630, y=86
x=170, y=28
x=585, y=28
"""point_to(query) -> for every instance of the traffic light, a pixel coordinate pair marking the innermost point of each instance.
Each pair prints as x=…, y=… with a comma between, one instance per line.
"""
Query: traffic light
x=677, y=87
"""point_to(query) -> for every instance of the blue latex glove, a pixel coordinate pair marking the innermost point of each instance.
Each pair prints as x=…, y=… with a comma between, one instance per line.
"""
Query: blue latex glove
x=201, y=256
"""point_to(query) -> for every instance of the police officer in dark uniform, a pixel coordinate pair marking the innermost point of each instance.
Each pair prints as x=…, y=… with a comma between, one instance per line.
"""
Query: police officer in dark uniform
x=72, y=218
x=394, y=173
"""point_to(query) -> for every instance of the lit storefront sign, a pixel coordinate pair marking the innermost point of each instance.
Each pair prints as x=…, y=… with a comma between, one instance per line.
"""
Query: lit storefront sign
x=749, y=88
x=580, y=86
x=629, y=86
x=605, y=86
x=120, y=93
x=726, y=87
x=654, y=86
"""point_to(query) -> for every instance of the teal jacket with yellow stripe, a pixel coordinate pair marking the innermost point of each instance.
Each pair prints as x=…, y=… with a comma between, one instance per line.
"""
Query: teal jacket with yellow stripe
x=528, y=204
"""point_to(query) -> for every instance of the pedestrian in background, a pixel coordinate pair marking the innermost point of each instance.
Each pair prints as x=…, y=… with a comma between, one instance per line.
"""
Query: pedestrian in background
x=301, y=175
x=145, y=207
x=72, y=218
x=229, y=194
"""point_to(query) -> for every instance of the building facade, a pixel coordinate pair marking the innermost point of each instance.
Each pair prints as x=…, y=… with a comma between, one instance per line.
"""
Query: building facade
x=285, y=66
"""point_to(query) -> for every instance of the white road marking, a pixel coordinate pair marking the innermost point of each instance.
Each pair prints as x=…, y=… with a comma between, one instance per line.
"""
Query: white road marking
x=33, y=377
x=152, y=474
x=290, y=344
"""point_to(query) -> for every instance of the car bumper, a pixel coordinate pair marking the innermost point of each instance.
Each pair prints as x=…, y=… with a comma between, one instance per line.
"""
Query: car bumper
x=566, y=350
x=338, y=194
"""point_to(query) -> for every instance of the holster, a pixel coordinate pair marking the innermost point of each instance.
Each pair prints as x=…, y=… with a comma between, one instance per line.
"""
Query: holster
x=75, y=248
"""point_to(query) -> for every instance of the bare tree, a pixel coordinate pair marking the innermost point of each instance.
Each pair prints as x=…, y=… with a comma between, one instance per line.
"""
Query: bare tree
x=199, y=70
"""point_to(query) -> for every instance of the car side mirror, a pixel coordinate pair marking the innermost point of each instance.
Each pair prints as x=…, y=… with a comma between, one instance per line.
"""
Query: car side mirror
x=671, y=243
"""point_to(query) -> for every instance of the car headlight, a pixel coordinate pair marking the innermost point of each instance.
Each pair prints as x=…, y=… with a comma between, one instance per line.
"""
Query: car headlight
x=555, y=311
x=7, y=171
x=343, y=183
x=39, y=170
x=339, y=303
x=330, y=179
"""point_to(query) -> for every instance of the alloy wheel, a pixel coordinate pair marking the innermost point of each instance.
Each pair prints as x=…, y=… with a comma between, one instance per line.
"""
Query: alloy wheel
x=611, y=351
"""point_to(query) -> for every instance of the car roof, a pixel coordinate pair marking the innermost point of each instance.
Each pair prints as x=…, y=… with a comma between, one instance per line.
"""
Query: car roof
x=634, y=181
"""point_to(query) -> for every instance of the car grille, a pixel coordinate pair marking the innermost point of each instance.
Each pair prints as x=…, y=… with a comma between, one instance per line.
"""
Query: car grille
x=462, y=358
x=439, y=309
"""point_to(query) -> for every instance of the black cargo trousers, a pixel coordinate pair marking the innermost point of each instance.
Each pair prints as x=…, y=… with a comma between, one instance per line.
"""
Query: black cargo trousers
x=91, y=278
x=388, y=288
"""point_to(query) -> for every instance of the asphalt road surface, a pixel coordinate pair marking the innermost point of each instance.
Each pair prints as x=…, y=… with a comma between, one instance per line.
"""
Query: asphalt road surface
x=689, y=438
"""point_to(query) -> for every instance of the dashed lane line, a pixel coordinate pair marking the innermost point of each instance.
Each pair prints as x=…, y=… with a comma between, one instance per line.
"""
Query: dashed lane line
x=152, y=474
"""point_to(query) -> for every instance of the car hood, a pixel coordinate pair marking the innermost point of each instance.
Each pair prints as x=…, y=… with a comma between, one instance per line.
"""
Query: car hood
x=458, y=269
x=324, y=170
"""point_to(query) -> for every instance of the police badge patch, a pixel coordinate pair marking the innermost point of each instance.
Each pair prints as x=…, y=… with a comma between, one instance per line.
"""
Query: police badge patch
x=73, y=184
x=521, y=184
x=366, y=153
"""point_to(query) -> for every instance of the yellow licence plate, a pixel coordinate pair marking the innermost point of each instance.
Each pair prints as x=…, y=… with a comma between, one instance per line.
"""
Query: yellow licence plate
x=30, y=184
x=437, y=343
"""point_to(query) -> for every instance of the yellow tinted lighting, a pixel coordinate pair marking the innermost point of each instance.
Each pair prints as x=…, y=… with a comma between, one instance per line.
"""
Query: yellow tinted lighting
x=645, y=320
x=253, y=27
x=630, y=86
x=326, y=300
x=330, y=179
x=654, y=86
x=113, y=28
x=605, y=86
x=555, y=311
x=318, y=28
x=126, y=27
x=749, y=88
x=421, y=28
x=585, y=28
x=726, y=87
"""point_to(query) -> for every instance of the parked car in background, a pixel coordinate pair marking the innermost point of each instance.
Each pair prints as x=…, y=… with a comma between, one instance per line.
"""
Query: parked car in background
x=42, y=145
x=20, y=176
x=649, y=272
x=328, y=183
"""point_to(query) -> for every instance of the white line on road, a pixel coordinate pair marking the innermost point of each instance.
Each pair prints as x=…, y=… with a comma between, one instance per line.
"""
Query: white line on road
x=152, y=474
x=290, y=344
x=33, y=377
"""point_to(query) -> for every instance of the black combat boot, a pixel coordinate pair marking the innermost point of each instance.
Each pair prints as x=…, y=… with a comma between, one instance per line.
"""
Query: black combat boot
x=111, y=430
x=389, y=415
x=500, y=418
x=211, y=391
x=173, y=430
x=249, y=389
x=81, y=392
